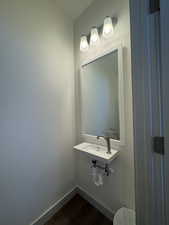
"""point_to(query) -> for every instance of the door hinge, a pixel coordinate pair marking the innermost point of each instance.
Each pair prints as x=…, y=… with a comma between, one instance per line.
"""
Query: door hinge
x=154, y=6
x=158, y=145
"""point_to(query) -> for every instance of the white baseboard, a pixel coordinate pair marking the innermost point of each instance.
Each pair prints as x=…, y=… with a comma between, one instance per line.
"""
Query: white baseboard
x=107, y=212
x=41, y=220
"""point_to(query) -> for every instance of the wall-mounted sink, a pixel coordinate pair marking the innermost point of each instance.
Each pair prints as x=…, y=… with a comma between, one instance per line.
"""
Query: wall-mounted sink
x=97, y=152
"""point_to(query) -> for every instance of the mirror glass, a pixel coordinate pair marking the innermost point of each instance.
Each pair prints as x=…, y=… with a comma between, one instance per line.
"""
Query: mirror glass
x=100, y=97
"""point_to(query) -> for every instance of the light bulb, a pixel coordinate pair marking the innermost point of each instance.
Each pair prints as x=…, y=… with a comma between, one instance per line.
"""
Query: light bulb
x=84, y=46
x=108, y=28
x=94, y=36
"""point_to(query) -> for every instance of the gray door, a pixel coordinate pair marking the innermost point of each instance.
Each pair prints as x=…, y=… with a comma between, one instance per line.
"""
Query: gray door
x=150, y=65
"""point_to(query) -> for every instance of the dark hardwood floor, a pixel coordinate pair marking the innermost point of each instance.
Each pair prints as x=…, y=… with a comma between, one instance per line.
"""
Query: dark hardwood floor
x=79, y=212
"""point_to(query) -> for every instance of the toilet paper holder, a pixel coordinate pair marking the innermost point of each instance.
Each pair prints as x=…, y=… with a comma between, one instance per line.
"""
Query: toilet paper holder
x=106, y=167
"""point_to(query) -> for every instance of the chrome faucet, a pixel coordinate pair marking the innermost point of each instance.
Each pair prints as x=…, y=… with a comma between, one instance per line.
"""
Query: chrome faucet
x=107, y=139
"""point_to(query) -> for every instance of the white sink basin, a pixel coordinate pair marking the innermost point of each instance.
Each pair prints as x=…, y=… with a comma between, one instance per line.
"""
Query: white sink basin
x=97, y=152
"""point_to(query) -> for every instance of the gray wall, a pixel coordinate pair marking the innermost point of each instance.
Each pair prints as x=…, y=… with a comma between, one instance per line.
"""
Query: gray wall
x=118, y=189
x=36, y=108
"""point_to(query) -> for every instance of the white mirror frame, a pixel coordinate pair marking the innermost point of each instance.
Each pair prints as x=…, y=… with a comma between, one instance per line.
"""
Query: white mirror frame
x=117, y=144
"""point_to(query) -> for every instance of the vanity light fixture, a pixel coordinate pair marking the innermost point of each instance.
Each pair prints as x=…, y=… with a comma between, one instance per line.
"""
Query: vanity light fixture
x=108, y=27
x=84, y=46
x=107, y=31
x=94, y=36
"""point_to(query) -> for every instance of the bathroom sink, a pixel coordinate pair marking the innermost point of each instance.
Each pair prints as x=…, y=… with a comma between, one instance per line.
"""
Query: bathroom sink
x=97, y=152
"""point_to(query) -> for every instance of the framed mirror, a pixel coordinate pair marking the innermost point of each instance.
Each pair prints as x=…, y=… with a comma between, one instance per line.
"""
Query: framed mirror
x=102, y=96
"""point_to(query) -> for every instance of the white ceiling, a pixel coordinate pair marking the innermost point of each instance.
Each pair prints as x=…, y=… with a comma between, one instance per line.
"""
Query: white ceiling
x=74, y=8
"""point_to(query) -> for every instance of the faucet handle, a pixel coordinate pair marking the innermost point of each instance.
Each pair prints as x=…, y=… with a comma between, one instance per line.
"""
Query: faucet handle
x=108, y=133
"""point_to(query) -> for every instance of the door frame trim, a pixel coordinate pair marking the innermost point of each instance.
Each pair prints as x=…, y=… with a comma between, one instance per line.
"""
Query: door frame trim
x=164, y=8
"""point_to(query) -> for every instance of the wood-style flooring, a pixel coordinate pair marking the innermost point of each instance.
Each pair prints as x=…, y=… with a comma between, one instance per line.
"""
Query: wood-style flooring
x=79, y=212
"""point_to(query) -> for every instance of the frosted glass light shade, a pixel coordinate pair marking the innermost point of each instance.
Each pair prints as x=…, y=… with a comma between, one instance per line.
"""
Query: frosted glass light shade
x=84, y=46
x=108, y=28
x=94, y=36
